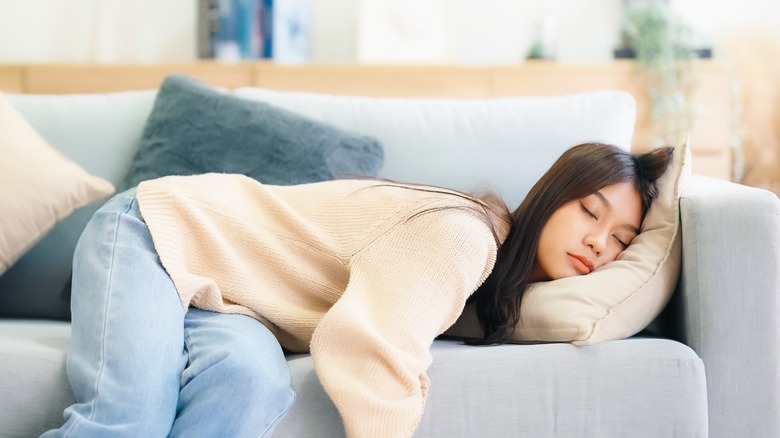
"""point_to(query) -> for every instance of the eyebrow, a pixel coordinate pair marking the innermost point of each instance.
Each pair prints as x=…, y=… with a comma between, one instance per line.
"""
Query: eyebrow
x=609, y=207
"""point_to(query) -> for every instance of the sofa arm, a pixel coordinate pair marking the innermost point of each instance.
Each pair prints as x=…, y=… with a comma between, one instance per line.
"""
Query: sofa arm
x=729, y=302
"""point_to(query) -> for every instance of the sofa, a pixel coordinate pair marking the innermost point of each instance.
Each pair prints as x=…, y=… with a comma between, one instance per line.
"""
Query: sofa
x=708, y=365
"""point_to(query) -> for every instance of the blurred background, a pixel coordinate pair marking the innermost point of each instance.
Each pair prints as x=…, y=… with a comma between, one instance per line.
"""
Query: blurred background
x=663, y=35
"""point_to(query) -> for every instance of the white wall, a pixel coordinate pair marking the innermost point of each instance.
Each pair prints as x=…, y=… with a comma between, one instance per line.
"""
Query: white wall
x=334, y=30
x=486, y=31
x=718, y=19
x=97, y=30
x=477, y=31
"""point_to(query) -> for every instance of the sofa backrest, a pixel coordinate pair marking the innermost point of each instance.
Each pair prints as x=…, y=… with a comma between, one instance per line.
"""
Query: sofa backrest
x=100, y=132
x=503, y=144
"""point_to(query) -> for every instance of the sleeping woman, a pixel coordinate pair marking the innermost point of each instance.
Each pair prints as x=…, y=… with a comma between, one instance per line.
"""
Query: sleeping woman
x=188, y=290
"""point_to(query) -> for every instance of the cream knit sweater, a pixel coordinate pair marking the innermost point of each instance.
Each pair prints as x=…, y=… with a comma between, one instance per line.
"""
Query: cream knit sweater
x=347, y=270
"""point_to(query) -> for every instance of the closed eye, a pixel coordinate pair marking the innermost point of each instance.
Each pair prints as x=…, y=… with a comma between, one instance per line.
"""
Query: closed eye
x=621, y=242
x=587, y=212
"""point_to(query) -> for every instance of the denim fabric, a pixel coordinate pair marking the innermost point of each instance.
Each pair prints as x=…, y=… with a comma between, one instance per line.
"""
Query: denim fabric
x=140, y=365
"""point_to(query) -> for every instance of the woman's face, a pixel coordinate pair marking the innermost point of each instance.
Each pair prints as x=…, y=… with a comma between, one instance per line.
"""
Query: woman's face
x=585, y=234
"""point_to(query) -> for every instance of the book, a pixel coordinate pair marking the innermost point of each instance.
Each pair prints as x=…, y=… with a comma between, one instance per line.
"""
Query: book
x=291, y=29
x=237, y=32
x=208, y=14
x=231, y=30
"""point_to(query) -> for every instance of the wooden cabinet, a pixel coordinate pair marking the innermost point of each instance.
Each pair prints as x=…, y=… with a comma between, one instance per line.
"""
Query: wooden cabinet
x=711, y=100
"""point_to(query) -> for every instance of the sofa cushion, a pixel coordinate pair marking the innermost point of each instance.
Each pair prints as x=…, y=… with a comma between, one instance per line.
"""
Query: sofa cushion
x=99, y=132
x=38, y=186
x=501, y=144
x=635, y=387
x=34, y=388
x=194, y=128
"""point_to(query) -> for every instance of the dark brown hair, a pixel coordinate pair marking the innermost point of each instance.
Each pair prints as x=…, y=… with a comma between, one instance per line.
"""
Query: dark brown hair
x=579, y=172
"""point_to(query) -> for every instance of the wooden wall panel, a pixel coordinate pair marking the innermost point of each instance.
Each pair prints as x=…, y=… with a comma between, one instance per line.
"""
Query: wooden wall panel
x=69, y=79
x=11, y=79
x=376, y=80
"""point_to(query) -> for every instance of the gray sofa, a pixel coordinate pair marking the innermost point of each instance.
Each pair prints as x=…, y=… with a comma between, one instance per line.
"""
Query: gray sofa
x=709, y=365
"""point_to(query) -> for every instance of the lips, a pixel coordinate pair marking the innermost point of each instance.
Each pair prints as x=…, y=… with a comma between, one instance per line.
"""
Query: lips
x=582, y=264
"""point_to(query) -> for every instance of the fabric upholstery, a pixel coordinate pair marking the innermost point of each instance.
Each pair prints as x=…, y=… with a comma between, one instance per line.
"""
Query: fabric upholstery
x=34, y=388
x=637, y=387
x=729, y=318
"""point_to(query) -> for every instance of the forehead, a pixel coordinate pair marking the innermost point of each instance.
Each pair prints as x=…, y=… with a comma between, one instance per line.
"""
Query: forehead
x=622, y=200
x=621, y=192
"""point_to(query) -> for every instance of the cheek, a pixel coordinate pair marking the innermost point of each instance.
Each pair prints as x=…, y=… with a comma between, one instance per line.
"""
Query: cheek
x=550, y=238
x=612, y=253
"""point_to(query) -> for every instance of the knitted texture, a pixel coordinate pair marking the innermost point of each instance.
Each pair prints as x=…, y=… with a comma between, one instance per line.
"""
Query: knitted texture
x=364, y=274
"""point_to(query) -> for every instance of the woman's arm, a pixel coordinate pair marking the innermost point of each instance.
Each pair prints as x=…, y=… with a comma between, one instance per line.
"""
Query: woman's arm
x=371, y=350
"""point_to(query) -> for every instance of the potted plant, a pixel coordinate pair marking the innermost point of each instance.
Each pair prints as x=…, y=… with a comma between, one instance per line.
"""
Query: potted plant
x=662, y=46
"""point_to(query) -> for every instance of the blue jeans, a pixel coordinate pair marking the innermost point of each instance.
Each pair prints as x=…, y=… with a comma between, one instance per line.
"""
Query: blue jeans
x=140, y=365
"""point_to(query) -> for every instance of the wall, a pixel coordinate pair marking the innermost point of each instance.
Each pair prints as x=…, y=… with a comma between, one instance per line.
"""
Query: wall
x=97, y=30
x=479, y=31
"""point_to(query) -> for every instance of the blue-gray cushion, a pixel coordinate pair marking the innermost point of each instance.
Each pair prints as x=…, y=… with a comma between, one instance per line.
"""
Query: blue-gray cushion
x=38, y=284
x=194, y=128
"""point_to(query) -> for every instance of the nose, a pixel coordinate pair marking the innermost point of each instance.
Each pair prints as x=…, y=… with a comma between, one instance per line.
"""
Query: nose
x=597, y=241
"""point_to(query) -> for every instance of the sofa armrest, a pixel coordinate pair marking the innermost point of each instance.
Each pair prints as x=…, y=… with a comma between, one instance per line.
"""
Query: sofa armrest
x=729, y=302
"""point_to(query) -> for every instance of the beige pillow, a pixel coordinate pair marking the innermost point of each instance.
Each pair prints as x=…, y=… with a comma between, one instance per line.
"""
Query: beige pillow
x=38, y=186
x=621, y=298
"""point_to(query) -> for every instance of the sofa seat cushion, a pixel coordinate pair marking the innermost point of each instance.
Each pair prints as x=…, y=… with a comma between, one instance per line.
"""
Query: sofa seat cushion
x=34, y=388
x=638, y=387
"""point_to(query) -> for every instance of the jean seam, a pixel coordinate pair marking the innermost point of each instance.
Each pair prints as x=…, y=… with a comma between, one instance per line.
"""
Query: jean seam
x=188, y=346
x=105, y=309
x=282, y=413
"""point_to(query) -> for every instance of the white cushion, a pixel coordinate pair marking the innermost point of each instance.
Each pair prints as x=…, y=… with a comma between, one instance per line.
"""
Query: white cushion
x=501, y=144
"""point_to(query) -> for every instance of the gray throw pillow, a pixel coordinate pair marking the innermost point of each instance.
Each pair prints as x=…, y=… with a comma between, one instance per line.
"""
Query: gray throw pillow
x=194, y=128
x=38, y=284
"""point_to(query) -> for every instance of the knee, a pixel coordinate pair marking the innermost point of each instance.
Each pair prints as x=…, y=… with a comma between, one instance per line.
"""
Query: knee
x=256, y=381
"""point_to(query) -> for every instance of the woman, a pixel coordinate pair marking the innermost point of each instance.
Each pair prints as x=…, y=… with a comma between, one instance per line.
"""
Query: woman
x=364, y=274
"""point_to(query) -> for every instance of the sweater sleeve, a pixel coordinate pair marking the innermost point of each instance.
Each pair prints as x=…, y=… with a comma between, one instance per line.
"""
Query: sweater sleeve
x=371, y=350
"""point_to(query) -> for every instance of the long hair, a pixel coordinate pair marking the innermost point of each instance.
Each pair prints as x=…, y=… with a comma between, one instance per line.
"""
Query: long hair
x=579, y=172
